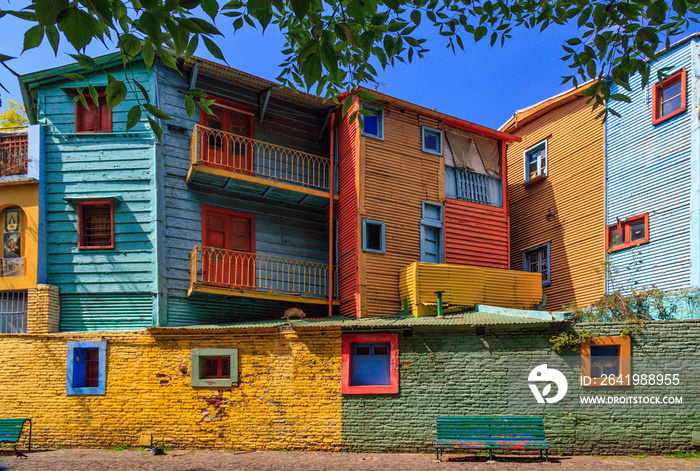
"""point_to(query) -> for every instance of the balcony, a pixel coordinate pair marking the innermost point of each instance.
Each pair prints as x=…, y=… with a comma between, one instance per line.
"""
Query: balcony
x=238, y=164
x=244, y=274
x=21, y=151
x=471, y=186
x=465, y=285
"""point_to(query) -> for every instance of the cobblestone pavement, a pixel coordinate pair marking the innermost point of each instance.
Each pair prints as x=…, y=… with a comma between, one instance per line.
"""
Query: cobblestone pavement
x=200, y=460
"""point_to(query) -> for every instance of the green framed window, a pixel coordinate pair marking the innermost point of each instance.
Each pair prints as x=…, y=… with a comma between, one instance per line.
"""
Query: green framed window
x=214, y=367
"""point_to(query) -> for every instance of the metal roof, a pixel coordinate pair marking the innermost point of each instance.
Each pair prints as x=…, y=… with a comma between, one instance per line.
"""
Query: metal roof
x=467, y=319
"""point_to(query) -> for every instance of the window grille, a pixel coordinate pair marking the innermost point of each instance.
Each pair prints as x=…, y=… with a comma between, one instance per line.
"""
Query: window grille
x=13, y=312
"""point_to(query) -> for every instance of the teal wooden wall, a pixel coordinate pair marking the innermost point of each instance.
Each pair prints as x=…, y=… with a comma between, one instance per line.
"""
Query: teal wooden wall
x=101, y=289
x=280, y=229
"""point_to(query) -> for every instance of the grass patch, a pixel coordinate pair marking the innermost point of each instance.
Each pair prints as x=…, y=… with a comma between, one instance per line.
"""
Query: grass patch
x=121, y=447
x=638, y=456
x=684, y=456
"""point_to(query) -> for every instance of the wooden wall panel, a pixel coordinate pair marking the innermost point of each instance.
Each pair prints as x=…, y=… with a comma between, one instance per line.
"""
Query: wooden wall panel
x=565, y=209
x=398, y=176
x=475, y=234
x=348, y=221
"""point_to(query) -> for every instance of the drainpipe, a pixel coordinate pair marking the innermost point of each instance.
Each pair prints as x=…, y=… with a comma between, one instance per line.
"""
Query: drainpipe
x=439, y=303
x=331, y=175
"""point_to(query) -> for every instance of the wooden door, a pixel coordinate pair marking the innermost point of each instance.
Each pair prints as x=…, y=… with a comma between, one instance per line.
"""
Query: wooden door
x=224, y=144
x=228, y=256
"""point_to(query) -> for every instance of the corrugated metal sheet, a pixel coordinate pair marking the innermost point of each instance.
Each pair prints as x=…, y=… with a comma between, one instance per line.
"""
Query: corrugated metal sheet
x=649, y=170
x=470, y=319
x=102, y=312
x=567, y=208
x=467, y=285
x=475, y=234
x=398, y=176
x=348, y=222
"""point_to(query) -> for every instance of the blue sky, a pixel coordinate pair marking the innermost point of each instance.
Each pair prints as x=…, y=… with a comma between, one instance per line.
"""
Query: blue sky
x=482, y=84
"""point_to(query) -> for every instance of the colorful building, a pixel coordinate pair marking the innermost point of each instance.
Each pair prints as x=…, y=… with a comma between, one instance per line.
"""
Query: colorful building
x=556, y=187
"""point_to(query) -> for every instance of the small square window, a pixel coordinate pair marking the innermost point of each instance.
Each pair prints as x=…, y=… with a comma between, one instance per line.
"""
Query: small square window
x=86, y=367
x=214, y=367
x=432, y=141
x=628, y=233
x=536, y=162
x=668, y=97
x=96, y=118
x=536, y=259
x=96, y=225
x=603, y=357
x=373, y=124
x=373, y=236
x=370, y=364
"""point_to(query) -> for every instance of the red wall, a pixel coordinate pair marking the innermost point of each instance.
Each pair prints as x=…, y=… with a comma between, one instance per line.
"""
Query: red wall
x=475, y=234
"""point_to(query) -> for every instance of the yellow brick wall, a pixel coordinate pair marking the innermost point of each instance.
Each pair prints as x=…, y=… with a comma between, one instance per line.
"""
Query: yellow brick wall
x=288, y=396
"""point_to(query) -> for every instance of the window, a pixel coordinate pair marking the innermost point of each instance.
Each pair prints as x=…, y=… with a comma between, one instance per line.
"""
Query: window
x=536, y=259
x=95, y=118
x=628, y=232
x=536, y=162
x=95, y=225
x=372, y=236
x=603, y=357
x=12, y=260
x=431, y=233
x=432, y=141
x=86, y=367
x=214, y=367
x=373, y=124
x=668, y=98
x=370, y=364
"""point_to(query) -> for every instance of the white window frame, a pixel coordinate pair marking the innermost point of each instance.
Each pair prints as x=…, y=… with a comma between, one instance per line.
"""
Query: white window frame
x=541, y=169
x=425, y=130
x=526, y=263
x=380, y=121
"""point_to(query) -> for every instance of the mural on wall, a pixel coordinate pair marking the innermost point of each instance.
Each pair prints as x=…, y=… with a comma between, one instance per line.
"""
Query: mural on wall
x=12, y=262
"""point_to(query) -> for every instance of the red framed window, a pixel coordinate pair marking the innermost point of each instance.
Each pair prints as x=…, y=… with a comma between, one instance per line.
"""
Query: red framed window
x=628, y=232
x=96, y=118
x=92, y=367
x=669, y=98
x=217, y=367
x=96, y=225
x=370, y=364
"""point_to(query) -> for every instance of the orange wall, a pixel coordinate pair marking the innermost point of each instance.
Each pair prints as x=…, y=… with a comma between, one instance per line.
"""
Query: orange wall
x=567, y=208
x=26, y=197
x=475, y=234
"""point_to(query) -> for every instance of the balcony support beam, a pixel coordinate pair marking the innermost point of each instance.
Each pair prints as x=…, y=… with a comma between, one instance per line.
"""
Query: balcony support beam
x=267, y=92
x=225, y=291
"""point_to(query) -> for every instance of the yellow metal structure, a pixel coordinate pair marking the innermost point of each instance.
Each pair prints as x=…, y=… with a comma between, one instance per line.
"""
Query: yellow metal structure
x=230, y=155
x=465, y=285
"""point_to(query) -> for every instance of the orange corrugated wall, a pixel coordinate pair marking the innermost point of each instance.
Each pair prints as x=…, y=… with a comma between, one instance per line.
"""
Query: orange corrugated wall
x=567, y=208
x=348, y=222
x=475, y=234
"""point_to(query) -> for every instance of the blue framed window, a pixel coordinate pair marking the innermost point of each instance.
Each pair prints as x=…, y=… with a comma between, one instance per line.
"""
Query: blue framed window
x=373, y=236
x=373, y=122
x=431, y=242
x=86, y=367
x=536, y=161
x=432, y=140
x=536, y=259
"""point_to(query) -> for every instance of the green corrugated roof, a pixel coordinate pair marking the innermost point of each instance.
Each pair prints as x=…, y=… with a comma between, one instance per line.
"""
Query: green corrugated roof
x=460, y=319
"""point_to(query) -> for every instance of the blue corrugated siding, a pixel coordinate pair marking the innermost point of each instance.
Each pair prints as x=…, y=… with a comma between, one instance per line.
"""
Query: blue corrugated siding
x=98, y=165
x=280, y=229
x=648, y=170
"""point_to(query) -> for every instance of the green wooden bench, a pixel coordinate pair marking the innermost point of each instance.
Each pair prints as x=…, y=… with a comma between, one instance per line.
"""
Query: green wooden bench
x=491, y=433
x=11, y=429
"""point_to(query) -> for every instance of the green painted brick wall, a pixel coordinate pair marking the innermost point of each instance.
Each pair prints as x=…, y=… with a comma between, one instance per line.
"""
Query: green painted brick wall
x=455, y=372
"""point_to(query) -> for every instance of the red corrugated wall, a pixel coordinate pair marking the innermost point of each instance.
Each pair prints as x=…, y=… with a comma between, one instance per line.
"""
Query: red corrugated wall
x=348, y=226
x=475, y=234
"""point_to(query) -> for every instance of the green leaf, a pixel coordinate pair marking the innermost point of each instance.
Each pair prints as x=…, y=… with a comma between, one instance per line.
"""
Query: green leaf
x=4, y=57
x=116, y=92
x=74, y=77
x=213, y=49
x=33, y=37
x=621, y=97
x=480, y=32
x=86, y=62
x=94, y=95
x=149, y=54
x=130, y=45
x=300, y=7
x=591, y=69
x=79, y=27
x=189, y=105
x=133, y=117
x=143, y=91
x=53, y=37
x=156, y=112
x=416, y=17
x=155, y=127
x=210, y=7
x=347, y=104
x=680, y=7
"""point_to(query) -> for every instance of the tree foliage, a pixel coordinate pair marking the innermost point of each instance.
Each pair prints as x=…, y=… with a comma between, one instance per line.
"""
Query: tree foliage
x=13, y=116
x=331, y=45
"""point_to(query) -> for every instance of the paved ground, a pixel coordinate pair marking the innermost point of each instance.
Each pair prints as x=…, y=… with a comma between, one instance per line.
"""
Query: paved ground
x=183, y=460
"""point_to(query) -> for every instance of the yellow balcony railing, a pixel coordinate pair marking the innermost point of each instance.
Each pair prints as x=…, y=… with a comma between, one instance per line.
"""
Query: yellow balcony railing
x=247, y=156
x=250, y=271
